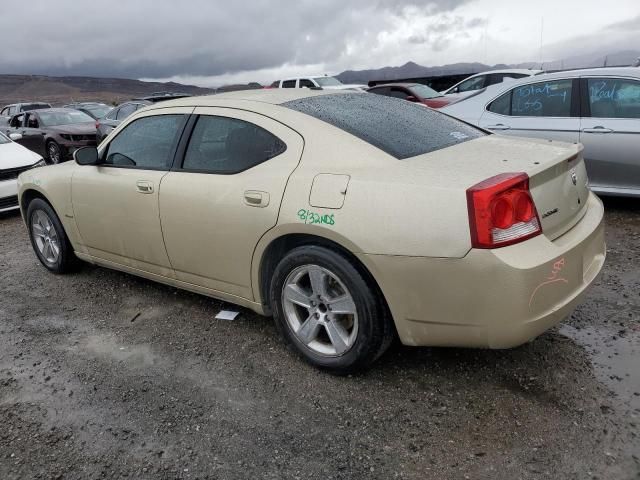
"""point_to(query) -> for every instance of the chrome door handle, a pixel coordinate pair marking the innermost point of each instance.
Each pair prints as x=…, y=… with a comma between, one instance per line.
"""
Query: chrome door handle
x=255, y=198
x=499, y=126
x=598, y=129
x=144, y=186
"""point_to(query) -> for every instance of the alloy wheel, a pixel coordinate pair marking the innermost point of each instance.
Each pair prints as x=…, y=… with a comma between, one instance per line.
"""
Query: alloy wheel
x=45, y=237
x=54, y=153
x=320, y=310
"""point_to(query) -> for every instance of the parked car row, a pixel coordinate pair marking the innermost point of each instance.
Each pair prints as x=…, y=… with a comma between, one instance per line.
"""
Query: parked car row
x=55, y=133
x=599, y=108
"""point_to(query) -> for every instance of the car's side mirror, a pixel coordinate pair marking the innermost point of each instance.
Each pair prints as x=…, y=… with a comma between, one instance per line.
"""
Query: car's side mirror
x=86, y=156
x=15, y=136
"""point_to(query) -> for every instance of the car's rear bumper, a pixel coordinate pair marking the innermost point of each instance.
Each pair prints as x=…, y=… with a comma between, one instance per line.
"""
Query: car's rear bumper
x=492, y=298
x=8, y=195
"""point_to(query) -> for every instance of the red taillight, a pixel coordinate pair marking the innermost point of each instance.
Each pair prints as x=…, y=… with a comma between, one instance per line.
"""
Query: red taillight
x=501, y=211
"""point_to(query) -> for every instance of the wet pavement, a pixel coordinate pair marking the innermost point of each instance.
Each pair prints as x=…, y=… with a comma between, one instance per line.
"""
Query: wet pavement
x=105, y=375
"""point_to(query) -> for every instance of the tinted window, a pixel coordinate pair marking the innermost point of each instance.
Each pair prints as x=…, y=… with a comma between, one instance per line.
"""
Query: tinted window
x=399, y=93
x=146, y=143
x=289, y=84
x=229, y=145
x=545, y=99
x=381, y=91
x=614, y=98
x=475, y=83
x=401, y=129
x=112, y=115
x=275, y=84
x=306, y=83
x=501, y=105
x=125, y=111
x=33, y=106
x=17, y=121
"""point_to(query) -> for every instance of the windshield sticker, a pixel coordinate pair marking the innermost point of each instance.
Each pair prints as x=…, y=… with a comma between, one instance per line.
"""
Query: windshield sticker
x=312, y=218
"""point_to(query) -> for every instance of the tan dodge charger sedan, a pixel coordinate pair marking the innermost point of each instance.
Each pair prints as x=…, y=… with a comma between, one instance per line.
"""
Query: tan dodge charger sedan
x=349, y=217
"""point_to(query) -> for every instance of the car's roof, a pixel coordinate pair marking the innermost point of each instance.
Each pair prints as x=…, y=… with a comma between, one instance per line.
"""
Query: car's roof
x=267, y=95
x=602, y=71
x=527, y=71
x=53, y=110
x=398, y=84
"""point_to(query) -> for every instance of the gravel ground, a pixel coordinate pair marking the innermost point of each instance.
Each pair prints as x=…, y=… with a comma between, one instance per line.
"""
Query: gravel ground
x=105, y=375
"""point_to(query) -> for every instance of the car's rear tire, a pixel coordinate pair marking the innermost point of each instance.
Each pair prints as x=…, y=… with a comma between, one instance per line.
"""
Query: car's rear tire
x=327, y=311
x=54, y=152
x=48, y=238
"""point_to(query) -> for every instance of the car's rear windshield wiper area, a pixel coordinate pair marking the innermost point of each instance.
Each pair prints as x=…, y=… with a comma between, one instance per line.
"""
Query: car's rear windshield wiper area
x=398, y=127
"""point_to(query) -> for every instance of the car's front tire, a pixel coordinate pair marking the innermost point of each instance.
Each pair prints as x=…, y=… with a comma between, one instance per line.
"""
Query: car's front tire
x=54, y=152
x=48, y=238
x=327, y=311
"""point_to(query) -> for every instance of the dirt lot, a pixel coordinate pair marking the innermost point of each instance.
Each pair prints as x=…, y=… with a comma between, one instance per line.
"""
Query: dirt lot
x=104, y=375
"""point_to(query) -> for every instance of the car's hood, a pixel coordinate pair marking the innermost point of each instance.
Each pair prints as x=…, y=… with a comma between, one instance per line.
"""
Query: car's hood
x=75, y=129
x=13, y=155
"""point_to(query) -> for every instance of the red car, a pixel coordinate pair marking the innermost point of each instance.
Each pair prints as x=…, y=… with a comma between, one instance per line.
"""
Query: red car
x=413, y=92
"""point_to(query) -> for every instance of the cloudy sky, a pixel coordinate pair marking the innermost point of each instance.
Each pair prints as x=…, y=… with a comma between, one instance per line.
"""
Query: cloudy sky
x=211, y=42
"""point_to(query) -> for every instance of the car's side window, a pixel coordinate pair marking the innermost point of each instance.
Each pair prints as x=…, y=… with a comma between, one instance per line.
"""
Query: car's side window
x=16, y=122
x=125, y=111
x=544, y=99
x=502, y=104
x=146, y=143
x=614, y=98
x=306, y=83
x=113, y=114
x=229, y=145
x=472, y=84
x=289, y=84
x=32, y=121
x=399, y=93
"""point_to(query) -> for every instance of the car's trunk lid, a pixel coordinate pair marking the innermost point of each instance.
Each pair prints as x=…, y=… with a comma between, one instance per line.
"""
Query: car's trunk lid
x=558, y=178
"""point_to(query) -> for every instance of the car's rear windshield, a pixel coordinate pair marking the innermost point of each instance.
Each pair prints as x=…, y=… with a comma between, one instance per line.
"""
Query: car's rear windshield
x=400, y=128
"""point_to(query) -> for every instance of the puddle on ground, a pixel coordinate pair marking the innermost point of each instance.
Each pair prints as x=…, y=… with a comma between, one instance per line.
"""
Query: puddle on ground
x=615, y=356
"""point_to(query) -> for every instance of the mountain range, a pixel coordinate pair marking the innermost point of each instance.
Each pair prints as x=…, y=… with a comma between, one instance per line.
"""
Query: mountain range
x=61, y=90
x=413, y=70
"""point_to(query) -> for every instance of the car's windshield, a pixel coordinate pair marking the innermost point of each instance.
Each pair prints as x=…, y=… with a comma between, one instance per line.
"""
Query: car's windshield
x=400, y=128
x=99, y=111
x=328, y=81
x=52, y=119
x=4, y=139
x=425, y=92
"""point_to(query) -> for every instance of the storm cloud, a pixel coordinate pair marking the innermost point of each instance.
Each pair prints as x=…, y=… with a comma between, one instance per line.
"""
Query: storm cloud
x=210, y=42
x=193, y=37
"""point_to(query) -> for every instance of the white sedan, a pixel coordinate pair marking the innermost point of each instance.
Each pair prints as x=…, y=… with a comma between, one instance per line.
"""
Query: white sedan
x=598, y=107
x=14, y=159
x=482, y=80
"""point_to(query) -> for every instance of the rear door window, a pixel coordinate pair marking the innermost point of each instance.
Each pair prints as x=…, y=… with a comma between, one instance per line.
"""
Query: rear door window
x=289, y=84
x=228, y=145
x=399, y=128
x=544, y=99
x=614, y=98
